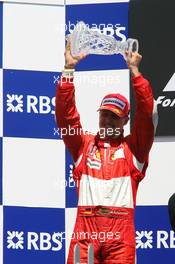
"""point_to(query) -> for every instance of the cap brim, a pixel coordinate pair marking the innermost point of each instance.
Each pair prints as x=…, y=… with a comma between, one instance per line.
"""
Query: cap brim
x=116, y=111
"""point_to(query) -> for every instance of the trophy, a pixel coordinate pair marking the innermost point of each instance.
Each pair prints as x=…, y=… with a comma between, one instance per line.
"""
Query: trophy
x=89, y=41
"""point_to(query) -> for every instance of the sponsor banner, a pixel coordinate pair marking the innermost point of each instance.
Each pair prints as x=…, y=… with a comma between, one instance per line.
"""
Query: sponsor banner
x=75, y=2
x=157, y=41
x=70, y=185
x=34, y=235
x=114, y=23
x=41, y=2
x=38, y=165
x=160, y=169
x=1, y=170
x=70, y=216
x=33, y=44
x=29, y=104
x=1, y=102
x=1, y=32
x=1, y=234
x=155, y=241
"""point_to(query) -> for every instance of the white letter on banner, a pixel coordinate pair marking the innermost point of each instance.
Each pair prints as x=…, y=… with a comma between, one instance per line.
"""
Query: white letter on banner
x=44, y=106
x=53, y=103
x=119, y=34
x=31, y=241
x=172, y=239
x=162, y=236
x=55, y=239
x=45, y=241
x=109, y=31
x=159, y=99
x=32, y=101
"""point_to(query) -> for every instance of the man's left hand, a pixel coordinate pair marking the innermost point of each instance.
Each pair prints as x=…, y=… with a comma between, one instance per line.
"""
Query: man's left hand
x=133, y=60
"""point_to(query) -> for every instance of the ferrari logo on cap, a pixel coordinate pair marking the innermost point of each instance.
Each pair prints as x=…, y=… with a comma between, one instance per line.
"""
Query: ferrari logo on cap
x=117, y=111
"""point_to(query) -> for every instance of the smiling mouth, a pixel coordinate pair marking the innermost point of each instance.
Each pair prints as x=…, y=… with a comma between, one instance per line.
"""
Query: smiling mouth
x=108, y=127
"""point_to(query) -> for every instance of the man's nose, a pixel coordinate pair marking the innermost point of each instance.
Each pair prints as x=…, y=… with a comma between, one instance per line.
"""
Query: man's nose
x=108, y=116
x=108, y=120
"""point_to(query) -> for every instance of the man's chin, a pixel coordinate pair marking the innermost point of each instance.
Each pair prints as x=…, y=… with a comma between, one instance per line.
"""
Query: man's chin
x=109, y=137
x=113, y=136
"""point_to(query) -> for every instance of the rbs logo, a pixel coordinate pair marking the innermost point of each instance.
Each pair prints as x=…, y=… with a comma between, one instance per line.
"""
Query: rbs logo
x=34, y=241
x=44, y=241
x=41, y=105
x=30, y=104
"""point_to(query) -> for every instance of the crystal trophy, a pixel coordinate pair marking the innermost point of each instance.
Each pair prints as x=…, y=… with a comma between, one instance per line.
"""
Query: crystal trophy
x=89, y=41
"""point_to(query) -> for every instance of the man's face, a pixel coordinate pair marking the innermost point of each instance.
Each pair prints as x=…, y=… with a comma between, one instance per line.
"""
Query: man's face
x=111, y=125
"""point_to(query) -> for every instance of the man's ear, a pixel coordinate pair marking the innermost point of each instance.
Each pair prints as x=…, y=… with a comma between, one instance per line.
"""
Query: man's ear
x=126, y=120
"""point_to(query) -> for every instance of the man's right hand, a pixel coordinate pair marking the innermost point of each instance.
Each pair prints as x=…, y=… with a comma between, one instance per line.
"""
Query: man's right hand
x=70, y=61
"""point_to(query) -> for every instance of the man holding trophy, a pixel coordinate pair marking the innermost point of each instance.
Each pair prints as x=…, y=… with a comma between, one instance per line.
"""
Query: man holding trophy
x=108, y=166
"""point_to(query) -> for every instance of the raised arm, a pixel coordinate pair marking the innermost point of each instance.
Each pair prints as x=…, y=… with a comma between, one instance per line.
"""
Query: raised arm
x=67, y=116
x=145, y=119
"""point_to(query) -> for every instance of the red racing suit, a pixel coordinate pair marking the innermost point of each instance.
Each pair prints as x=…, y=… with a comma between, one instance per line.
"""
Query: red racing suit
x=107, y=176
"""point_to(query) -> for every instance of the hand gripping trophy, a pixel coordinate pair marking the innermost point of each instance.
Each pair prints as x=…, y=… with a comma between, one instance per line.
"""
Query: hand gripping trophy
x=88, y=41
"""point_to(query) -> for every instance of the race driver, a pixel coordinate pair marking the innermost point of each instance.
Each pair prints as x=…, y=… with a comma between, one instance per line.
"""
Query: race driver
x=108, y=166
